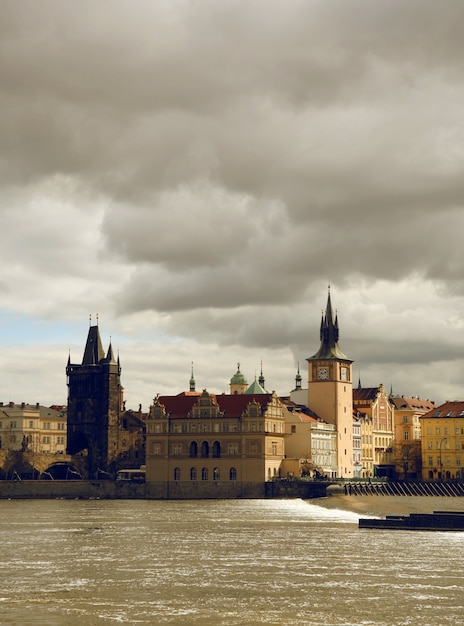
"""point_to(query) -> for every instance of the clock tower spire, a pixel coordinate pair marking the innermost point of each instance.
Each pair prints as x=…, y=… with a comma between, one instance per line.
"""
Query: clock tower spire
x=330, y=393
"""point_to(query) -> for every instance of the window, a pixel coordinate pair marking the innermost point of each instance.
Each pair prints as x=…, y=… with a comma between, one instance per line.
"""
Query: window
x=216, y=450
x=233, y=473
x=430, y=460
x=274, y=448
x=205, y=449
x=156, y=449
x=31, y=424
x=177, y=473
x=437, y=430
x=429, y=445
x=216, y=473
x=177, y=449
x=12, y=424
x=406, y=435
x=47, y=425
x=60, y=440
x=204, y=473
x=293, y=428
x=458, y=461
x=46, y=439
x=193, y=473
x=405, y=419
x=193, y=450
x=232, y=448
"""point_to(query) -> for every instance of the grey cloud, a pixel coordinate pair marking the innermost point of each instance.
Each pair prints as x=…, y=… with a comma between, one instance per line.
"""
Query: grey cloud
x=215, y=164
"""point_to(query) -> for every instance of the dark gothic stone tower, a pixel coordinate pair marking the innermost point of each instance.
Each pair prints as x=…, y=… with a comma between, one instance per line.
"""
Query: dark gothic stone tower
x=94, y=405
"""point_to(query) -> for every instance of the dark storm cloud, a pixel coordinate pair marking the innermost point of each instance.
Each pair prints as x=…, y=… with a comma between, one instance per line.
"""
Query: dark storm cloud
x=208, y=167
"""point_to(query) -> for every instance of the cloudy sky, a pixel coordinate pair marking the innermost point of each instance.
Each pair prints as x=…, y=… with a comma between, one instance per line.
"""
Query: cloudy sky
x=197, y=172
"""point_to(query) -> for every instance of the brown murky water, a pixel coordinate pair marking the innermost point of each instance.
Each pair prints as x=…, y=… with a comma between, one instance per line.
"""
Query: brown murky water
x=283, y=562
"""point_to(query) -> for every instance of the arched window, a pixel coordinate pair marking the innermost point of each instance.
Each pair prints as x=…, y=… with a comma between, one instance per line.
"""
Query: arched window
x=216, y=450
x=205, y=449
x=193, y=473
x=193, y=450
x=204, y=473
x=233, y=473
x=177, y=473
x=216, y=473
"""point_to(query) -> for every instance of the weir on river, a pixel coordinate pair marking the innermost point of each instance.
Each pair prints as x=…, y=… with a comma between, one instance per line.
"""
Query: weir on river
x=403, y=488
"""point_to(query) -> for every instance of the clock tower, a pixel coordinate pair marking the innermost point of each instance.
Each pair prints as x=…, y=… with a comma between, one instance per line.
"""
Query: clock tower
x=330, y=389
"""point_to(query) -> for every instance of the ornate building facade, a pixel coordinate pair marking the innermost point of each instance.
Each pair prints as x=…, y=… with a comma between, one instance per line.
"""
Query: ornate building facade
x=202, y=445
x=376, y=413
x=407, y=444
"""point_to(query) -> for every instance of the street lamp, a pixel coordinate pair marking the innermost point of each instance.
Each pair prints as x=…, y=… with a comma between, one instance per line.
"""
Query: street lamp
x=441, y=464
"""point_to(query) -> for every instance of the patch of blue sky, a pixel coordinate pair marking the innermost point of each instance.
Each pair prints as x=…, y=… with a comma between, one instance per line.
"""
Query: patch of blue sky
x=17, y=329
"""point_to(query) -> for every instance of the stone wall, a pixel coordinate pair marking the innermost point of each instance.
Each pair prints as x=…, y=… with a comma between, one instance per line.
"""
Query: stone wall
x=106, y=489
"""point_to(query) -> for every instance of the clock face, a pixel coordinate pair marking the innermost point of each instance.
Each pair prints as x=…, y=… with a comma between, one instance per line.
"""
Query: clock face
x=344, y=373
x=323, y=373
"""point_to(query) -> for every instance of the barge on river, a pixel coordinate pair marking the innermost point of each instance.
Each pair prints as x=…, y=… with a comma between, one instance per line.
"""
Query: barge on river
x=438, y=520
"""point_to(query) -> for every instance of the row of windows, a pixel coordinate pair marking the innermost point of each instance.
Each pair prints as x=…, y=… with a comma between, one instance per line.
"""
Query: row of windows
x=46, y=439
x=216, y=427
x=446, y=431
x=233, y=449
x=445, y=461
x=444, y=444
x=321, y=445
x=216, y=475
x=45, y=425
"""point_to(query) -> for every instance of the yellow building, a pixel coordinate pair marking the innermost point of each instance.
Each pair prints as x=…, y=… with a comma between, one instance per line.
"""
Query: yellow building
x=330, y=389
x=33, y=427
x=443, y=442
x=377, y=430
x=407, y=443
x=202, y=445
x=311, y=441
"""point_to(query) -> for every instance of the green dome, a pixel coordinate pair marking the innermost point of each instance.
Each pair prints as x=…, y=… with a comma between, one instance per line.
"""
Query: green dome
x=238, y=378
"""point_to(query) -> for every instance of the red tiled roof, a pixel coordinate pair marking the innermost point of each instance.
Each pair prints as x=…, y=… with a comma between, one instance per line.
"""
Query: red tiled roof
x=412, y=404
x=448, y=409
x=231, y=405
x=365, y=393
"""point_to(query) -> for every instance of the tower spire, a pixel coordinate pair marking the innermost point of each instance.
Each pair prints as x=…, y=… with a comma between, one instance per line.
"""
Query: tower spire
x=192, y=380
x=329, y=334
x=261, y=376
x=93, y=352
x=298, y=379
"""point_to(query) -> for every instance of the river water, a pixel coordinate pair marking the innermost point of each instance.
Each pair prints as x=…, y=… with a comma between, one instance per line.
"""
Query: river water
x=229, y=562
